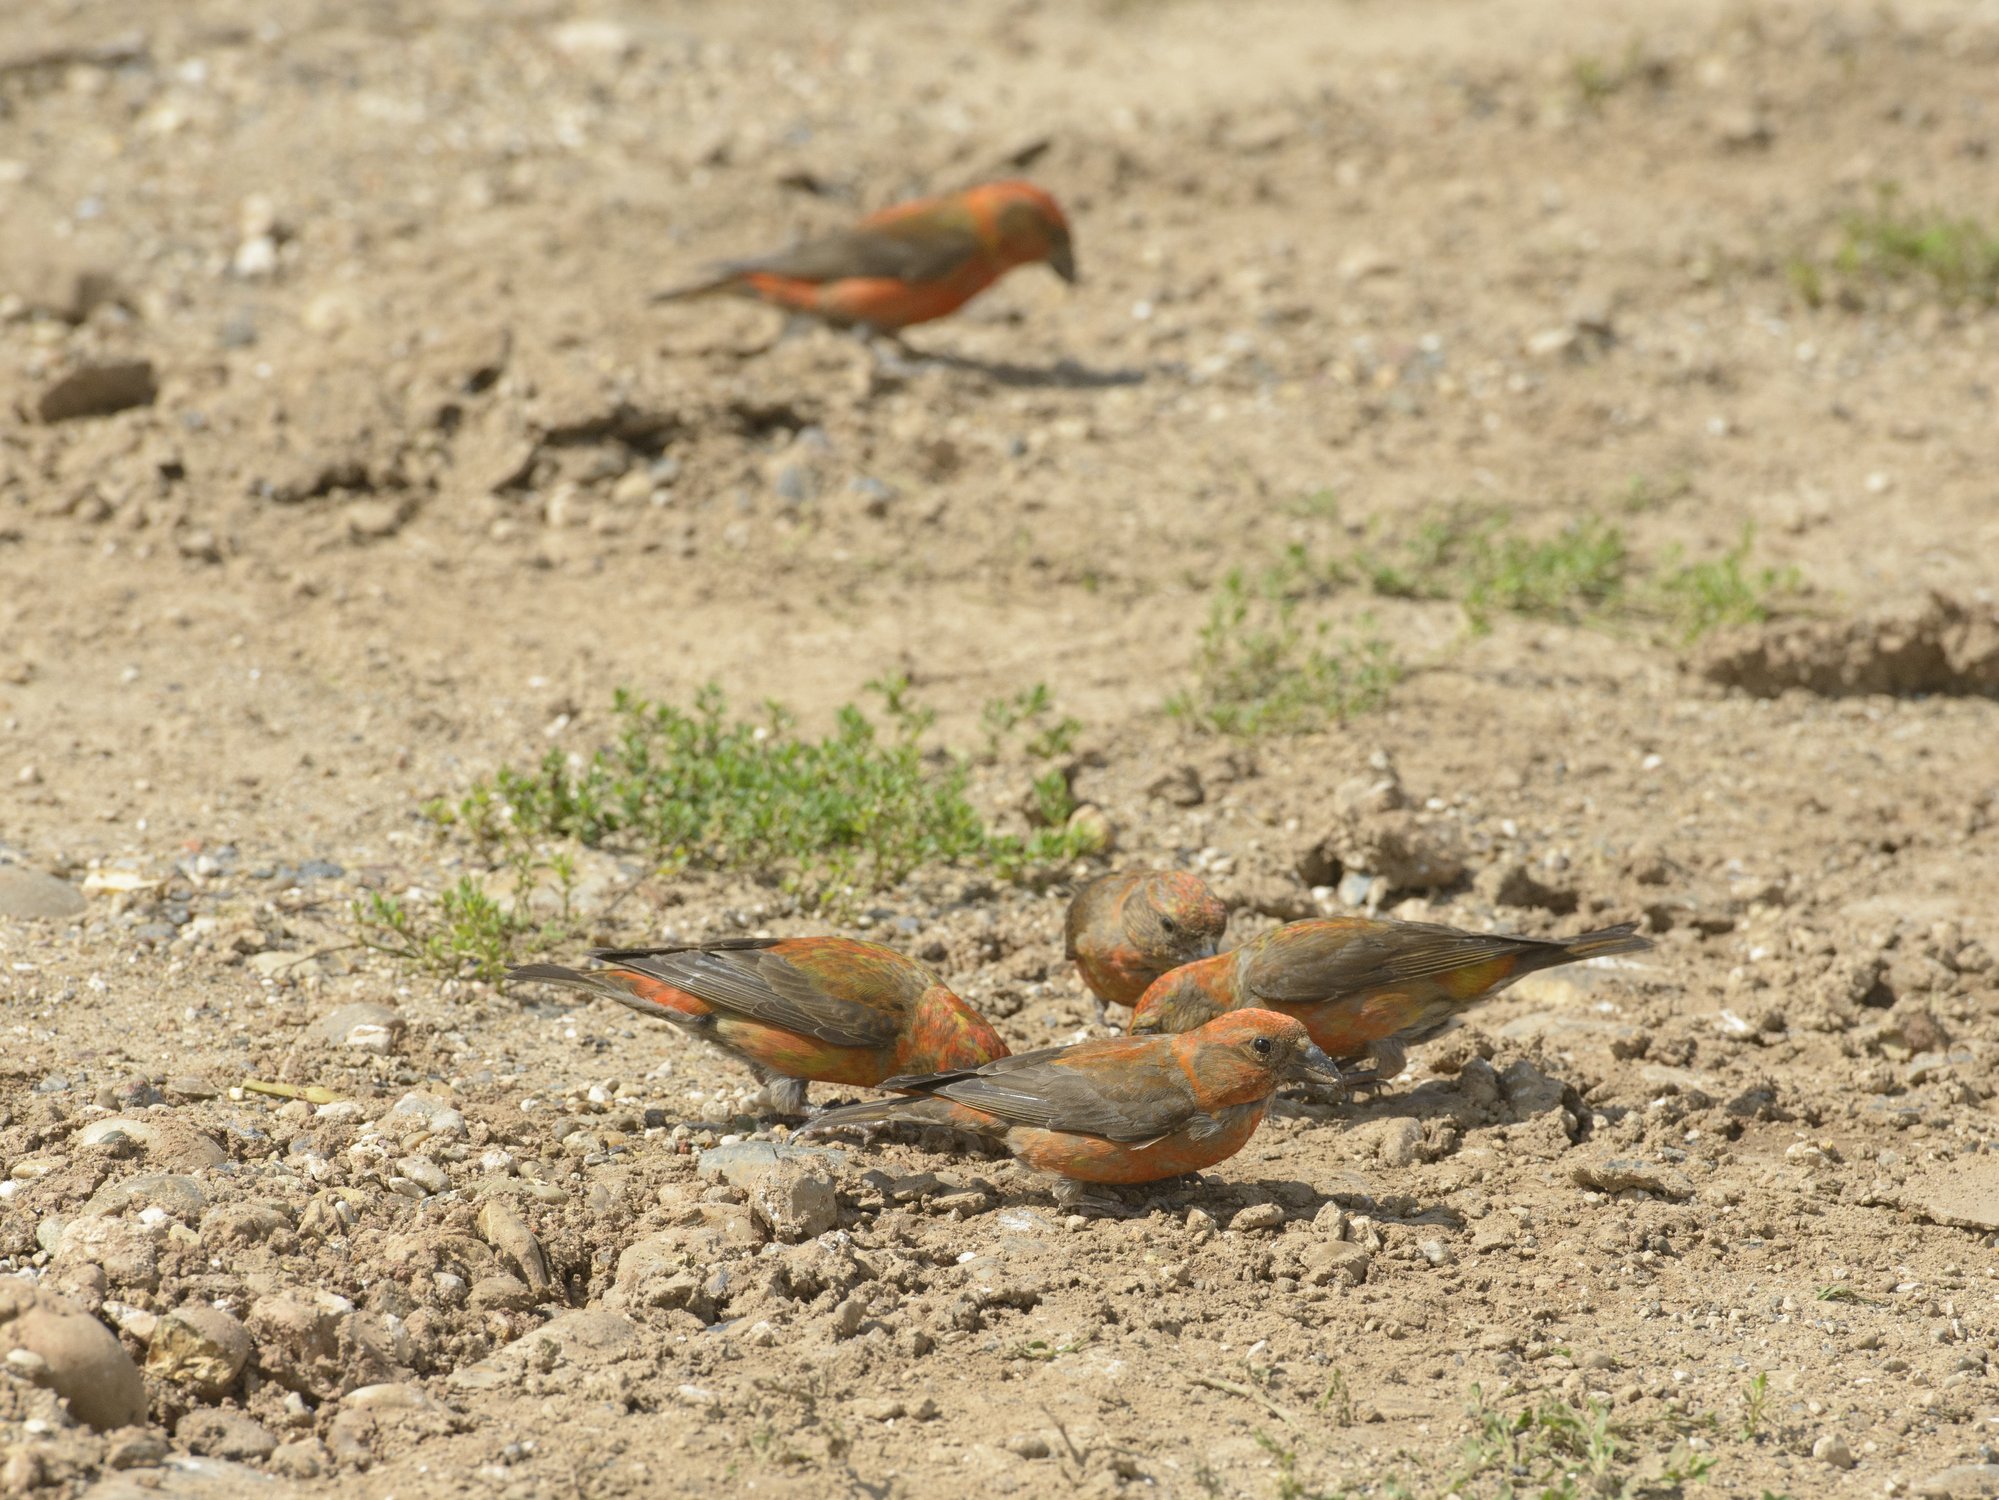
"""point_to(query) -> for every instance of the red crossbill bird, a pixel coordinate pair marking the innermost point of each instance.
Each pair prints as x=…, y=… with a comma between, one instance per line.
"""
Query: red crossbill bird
x=1125, y=930
x=1116, y=1109
x=797, y=1010
x=1365, y=988
x=906, y=264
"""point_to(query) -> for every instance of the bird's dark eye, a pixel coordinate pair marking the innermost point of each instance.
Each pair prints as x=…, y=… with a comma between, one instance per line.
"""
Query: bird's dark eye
x=1167, y=924
x=1261, y=1046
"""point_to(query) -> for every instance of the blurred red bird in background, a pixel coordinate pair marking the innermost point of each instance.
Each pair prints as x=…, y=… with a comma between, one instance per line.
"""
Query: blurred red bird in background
x=906, y=264
x=797, y=1010
x=1116, y=1109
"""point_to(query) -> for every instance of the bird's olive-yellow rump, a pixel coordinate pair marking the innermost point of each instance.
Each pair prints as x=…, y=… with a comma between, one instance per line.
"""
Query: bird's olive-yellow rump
x=1364, y=988
x=1118, y=1109
x=797, y=1010
x=1127, y=929
x=906, y=264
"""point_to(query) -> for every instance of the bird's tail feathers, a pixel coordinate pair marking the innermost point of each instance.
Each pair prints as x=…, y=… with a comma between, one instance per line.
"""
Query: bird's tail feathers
x=590, y=982
x=917, y=1110
x=1605, y=941
x=715, y=284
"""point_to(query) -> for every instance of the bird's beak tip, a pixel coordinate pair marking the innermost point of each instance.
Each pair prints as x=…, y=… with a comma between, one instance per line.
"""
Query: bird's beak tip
x=1313, y=1063
x=1063, y=263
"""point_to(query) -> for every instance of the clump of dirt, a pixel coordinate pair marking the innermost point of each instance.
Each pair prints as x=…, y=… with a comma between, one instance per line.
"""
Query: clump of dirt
x=1943, y=645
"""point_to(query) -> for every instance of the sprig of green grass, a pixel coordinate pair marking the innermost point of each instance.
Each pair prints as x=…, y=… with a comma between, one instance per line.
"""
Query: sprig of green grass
x=1957, y=256
x=467, y=932
x=1587, y=573
x=1553, y=1451
x=830, y=819
x=1954, y=256
x=1699, y=596
x=1258, y=670
x=1030, y=712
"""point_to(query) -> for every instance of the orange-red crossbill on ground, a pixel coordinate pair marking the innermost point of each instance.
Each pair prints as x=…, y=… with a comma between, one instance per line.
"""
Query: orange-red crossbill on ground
x=797, y=1010
x=1116, y=1109
x=1365, y=988
x=906, y=264
x=1127, y=929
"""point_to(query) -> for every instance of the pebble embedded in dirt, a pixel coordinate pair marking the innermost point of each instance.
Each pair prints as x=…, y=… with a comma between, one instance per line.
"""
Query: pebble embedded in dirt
x=794, y=1200
x=1258, y=1217
x=364, y=1026
x=222, y=1433
x=29, y=894
x=52, y=1343
x=201, y=1347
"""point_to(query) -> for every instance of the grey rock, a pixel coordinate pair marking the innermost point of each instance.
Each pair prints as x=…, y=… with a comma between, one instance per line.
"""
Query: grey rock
x=589, y=1336
x=172, y=1192
x=422, y=1114
x=742, y=1162
x=126, y=1251
x=304, y=1459
x=1964, y=1482
x=1407, y=853
x=364, y=1026
x=30, y=895
x=186, y=1479
x=243, y=1224
x=795, y=1200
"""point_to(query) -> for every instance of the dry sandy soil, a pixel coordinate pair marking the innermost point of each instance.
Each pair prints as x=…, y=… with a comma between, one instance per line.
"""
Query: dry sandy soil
x=416, y=477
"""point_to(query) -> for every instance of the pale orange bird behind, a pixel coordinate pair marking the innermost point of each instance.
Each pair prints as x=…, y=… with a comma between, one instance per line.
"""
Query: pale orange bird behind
x=797, y=1010
x=1117, y=1109
x=1126, y=929
x=907, y=264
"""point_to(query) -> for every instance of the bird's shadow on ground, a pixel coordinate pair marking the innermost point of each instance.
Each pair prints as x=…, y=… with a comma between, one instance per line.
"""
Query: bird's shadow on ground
x=1063, y=374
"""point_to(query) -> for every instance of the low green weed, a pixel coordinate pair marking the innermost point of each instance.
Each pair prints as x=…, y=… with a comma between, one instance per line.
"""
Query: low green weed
x=1259, y=670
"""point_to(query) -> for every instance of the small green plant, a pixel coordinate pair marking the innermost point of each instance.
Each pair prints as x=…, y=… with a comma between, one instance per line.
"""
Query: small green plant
x=1755, y=1401
x=1645, y=493
x=1468, y=554
x=856, y=811
x=1564, y=577
x=1697, y=597
x=1958, y=257
x=1289, y=1485
x=1807, y=280
x=1031, y=710
x=1585, y=573
x=1051, y=800
x=1552, y=1451
x=1597, y=79
x=1336, y=1400
x=468, y=932
x=829, y=819
x=1319, y=505
x=1259, y=671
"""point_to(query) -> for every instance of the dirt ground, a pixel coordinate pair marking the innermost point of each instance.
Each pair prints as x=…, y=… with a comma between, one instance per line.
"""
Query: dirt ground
x=416, y=477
